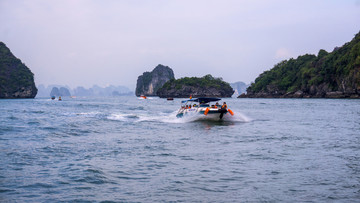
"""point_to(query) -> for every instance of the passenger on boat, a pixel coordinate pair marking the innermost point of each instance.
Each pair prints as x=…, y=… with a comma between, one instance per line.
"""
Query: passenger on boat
x=224, y=106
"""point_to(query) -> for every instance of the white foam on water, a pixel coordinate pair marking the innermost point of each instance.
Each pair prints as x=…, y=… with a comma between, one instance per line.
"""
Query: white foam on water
x=171, y=117
x=116, y=117
x=160, y=117
x=83, y=114
x=88, y=113
x=239, y=117
x=192, y=117
x=122, y=116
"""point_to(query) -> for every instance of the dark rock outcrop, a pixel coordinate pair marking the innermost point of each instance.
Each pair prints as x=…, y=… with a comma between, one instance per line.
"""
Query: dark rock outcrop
x=149, y=82
x=55, y=92
x=327, y=75
x=16, y=80
x=206, y=86
x=60, y=92
x=45, y=91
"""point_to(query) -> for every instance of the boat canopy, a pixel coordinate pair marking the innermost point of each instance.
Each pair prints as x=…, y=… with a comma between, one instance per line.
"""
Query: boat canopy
x=202, y=100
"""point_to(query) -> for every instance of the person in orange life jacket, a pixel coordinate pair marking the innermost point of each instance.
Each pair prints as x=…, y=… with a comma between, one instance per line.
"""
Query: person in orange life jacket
x=224, y=106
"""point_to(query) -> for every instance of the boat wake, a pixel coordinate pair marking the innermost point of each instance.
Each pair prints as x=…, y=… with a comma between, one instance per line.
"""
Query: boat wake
x=171, y=118
x=238, y=117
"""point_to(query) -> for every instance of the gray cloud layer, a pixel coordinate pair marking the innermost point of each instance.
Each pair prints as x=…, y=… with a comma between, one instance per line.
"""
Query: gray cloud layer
x=86, y=42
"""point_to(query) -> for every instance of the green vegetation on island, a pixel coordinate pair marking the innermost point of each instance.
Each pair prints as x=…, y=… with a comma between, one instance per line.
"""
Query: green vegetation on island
x=16, y=80
x=332, y=75
x=206, y=86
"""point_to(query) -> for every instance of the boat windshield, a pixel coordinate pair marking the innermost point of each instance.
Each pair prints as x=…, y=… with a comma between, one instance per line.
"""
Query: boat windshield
x=201, y=101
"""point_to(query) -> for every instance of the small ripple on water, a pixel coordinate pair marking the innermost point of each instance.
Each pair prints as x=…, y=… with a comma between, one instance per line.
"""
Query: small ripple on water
x=95, y=171
x=83, y=188
x=6, y=190
x=33, y=123
x=166, y=154
x=132, y=177
x=35, y=112
x=12, y=118
x=50, y=128
x=93, y=180
x=39, y=185
x=92, y=176
x=5, y=129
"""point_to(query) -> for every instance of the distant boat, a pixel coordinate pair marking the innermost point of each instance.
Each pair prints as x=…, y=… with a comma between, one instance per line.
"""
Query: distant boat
x=170, y=98
x=143, y=97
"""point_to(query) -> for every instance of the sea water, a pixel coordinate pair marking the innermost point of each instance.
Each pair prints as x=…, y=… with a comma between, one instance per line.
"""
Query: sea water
x=127, y=149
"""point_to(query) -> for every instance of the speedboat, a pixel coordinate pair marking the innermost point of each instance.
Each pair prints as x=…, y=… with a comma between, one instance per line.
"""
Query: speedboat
x=204, y=107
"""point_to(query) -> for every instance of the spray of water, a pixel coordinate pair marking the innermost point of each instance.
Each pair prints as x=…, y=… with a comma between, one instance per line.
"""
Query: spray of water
x=143, y=116
x=192, y=117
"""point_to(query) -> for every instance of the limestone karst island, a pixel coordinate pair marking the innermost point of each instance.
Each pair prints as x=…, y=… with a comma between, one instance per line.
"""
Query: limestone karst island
x=16, y=80
x=206, y=86
x=325, y=75
x=161, y=82
x=149, y=82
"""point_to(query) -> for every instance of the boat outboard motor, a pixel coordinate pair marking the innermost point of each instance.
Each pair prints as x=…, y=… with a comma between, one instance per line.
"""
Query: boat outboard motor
x=222, y=111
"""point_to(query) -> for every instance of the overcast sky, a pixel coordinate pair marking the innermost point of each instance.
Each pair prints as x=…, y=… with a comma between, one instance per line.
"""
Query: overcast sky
x=87, y=42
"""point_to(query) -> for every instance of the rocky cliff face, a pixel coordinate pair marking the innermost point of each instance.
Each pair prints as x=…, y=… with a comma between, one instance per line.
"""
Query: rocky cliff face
x=16, y=80
x=148, y=83
x=206, y=86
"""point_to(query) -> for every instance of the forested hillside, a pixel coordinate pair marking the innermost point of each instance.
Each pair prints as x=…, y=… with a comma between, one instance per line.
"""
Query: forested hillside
x=333, y=75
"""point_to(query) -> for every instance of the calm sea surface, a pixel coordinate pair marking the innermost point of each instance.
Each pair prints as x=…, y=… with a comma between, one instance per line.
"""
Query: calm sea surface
x=131, y=150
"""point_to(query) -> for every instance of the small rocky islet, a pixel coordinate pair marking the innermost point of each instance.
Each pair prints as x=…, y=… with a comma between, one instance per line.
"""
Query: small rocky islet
x=60, y=92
